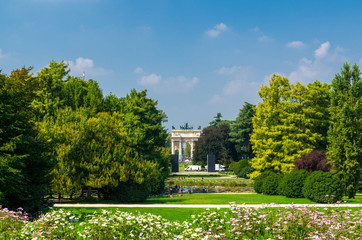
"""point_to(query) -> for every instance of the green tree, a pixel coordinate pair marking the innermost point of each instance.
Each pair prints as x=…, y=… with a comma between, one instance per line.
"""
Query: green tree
x=217, y=121
x=290, y=122
x=241, y=130
x=94, y=98
x=23, y=170
x=50, y=94
x=75, y=90
x=143, y=124
x=215, y=140
x=187, y=152
x=93, y=152
x=112, y=103
x=345, y=135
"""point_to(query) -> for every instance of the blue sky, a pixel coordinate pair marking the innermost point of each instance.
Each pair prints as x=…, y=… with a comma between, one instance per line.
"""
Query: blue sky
x=197, y=58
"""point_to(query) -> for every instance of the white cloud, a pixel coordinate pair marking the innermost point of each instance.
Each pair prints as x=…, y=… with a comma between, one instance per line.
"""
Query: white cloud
x=240, y=79
x=322, y=67
x=86, y=65
x=152, y=79
x=181, y=82
x=138, y=70
x=215, y=99
x=217, y=30
x=239, y=86
x=295, y=44
x=171, y=84
x=322, y=51
x=256, y=29
x=360, y=63
x=221, y=27
x=261, y=36
x=264, y=38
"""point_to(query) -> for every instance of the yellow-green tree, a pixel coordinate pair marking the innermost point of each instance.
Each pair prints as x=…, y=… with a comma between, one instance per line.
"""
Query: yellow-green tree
x=287, y=124
x=92, y=151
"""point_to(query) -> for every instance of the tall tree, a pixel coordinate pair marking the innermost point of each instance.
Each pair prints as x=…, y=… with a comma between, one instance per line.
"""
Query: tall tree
x=241, y=130
x=23, y=170
x=287, y=124
x=217, y=121
x=215, y=140
x=143, y=123
x=50, y=95
x=75, y=90
x=93, y=151
x=345, y=135
x=94, y=98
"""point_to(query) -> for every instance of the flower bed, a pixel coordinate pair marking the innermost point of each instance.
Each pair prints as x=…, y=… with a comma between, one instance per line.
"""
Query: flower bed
x=237, y=222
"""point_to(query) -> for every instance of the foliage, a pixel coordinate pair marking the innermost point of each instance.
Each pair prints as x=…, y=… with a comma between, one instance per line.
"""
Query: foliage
x=187, y=151
x=215, y=140
x=259, y=181
x=323, y=187
x=235, y=222
x=241, y=130
x=23, y=169
x=271, y=184
x=313, y=161
x=218, y=122
x=92, y=152
x=288, y=123
x=345, y=135
x=142, y=122
x=242, y=168
x=50, y=95
x=292, y=184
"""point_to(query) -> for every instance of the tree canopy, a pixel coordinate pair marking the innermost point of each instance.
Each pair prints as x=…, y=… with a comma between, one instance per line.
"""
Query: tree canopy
x=345, y=135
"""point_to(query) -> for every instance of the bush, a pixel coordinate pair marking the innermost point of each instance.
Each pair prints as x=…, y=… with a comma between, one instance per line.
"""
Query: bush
x=258, y=182
x=323, y=187
x=242, y=168
x=292, y=184
x=314, y=161
x=271, y=184
x=245, y=172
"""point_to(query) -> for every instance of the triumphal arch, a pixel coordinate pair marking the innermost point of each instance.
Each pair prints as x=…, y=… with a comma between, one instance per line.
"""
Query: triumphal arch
x=179, y=137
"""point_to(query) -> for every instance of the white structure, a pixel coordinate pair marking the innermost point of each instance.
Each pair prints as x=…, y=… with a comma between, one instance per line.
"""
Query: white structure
x=179, y=137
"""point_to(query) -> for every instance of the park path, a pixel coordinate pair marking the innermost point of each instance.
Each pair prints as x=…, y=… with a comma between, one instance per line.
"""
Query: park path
x=96, y=205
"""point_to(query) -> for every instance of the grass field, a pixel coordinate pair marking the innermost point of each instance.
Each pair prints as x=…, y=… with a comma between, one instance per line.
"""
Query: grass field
x=172, y=214
x=237, y=198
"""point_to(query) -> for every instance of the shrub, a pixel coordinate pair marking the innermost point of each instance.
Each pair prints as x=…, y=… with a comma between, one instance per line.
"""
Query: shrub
x=271, y=184
x=323, y=187
x=292, y=184
x=245, y=172
x=258, y=182
x=314, y=161
x=242, y=168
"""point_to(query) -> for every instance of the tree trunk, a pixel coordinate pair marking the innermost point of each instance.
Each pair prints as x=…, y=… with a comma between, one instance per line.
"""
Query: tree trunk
x=89, y=193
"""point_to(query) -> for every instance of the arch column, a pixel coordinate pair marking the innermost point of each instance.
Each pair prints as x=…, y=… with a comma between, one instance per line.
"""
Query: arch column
x=180, y=149
x=172, y=147
x=192, y=149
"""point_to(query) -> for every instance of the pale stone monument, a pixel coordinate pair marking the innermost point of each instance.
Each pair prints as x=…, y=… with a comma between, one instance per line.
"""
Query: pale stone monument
x=179, y=137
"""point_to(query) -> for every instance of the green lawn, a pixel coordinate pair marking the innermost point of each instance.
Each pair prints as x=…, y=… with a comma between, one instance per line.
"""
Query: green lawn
x=172, y=214
x=237, y=198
